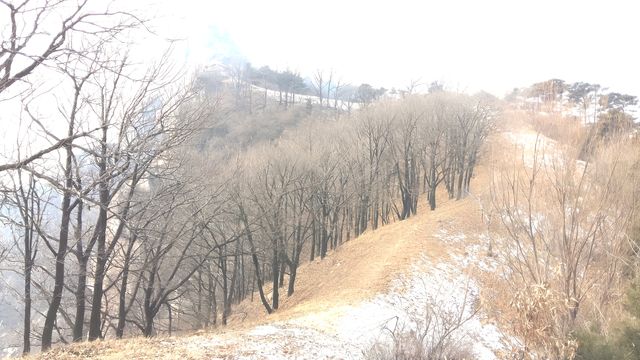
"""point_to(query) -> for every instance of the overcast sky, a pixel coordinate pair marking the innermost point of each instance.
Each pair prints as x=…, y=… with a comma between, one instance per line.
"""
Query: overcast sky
x=491, y=44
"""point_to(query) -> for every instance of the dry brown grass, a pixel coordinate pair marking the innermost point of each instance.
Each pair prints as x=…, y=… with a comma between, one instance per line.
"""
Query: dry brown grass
x=356, y=271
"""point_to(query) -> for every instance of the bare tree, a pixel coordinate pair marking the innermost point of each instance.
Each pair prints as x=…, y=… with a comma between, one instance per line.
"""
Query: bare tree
x=413, y=86
x=21, y=53
x=319, y=84
x=566, y=222
x=336, y=92
x=406, y=162
x=433, y=140
x=65, y=209
x=166, y=245
x=30, y=201
x=248, y=232
x=172, y=253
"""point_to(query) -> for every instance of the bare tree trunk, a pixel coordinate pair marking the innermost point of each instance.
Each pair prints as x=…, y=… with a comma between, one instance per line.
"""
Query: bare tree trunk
x=212, y=304
x=78, y=325
x=275, y=267
x=265, y=93
x=254, y=258
x=319, y=83
x=28, y=213
x=56, y=298
x=283, y=267
x=82, y=257
x=101, y=224
x=170, y=317
x=313, y=240
x=122, y=298
x=26, y=348
x=225, y=284
x=63, y=238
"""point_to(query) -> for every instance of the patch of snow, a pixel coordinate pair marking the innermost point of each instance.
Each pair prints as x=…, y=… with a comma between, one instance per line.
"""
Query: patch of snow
x=529, y=143
x=264, y=330
x=278, y=341
x=447, y=237
x=475, y=252
x=287, y=340
x=440, y=291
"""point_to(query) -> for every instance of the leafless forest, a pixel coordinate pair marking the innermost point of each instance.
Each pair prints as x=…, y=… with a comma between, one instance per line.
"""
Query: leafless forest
x=148, y=201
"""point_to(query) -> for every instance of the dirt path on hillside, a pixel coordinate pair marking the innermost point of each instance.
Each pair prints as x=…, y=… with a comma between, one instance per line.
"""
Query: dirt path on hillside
x=356, y=271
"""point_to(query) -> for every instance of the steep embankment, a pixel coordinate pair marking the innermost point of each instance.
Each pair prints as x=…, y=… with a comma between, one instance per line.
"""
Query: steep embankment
x=434, y=265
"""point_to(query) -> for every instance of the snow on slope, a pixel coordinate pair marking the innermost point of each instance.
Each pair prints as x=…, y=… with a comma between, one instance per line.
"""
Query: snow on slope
x=442, y=290
x=528, y=142
x=346, y=332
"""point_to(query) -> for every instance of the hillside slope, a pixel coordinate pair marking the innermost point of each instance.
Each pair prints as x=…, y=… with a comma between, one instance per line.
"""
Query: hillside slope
x=432, y=266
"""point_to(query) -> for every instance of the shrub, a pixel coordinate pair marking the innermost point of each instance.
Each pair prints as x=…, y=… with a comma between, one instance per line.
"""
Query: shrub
x=593, y=346
x=623, y=343
x=411, y=345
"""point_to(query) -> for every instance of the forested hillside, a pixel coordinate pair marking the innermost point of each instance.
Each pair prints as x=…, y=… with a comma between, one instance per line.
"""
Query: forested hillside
x=141, y=203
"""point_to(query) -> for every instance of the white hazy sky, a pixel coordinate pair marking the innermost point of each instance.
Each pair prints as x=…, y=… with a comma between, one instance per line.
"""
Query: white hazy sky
x=492, y=44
